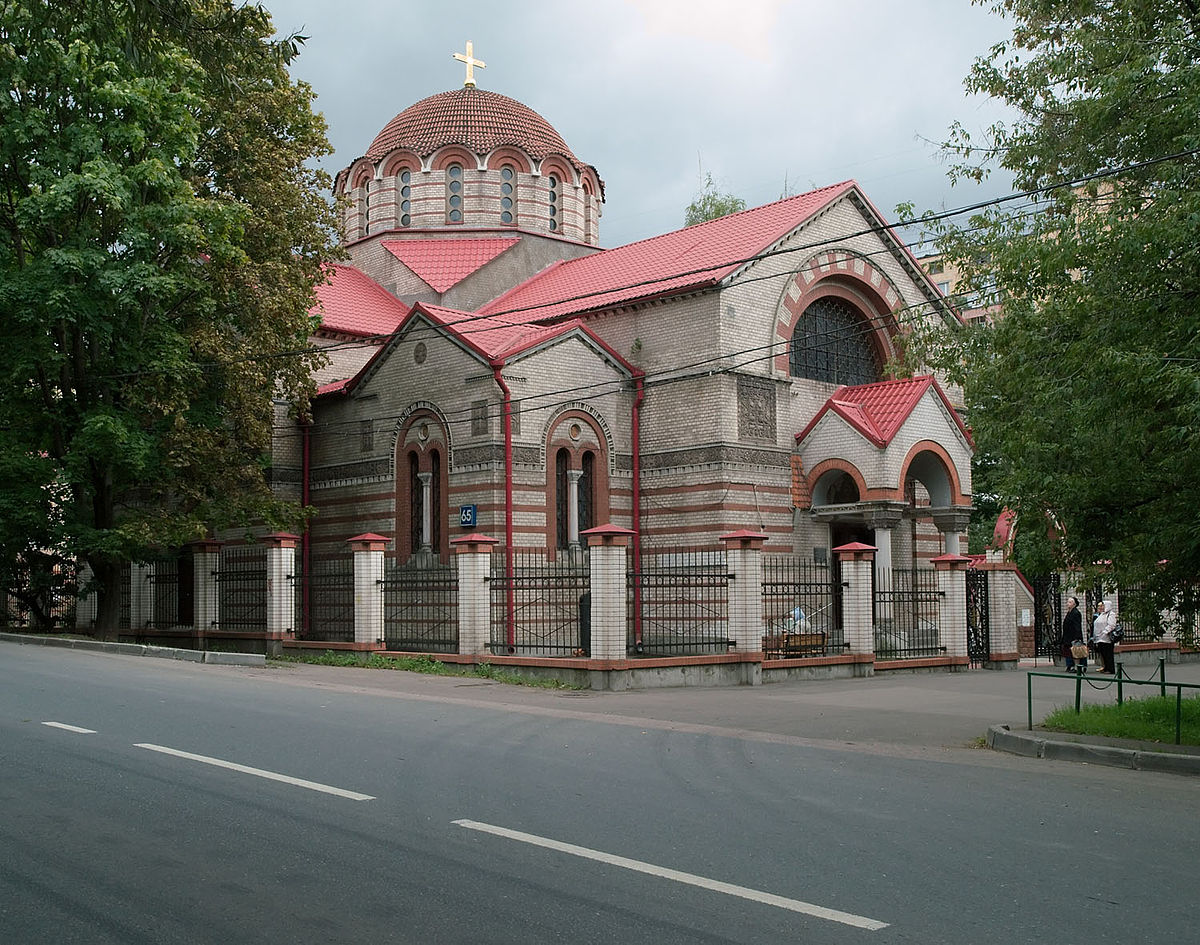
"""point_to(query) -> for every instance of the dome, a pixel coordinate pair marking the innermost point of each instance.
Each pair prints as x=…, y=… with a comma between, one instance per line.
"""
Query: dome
x=474, y=118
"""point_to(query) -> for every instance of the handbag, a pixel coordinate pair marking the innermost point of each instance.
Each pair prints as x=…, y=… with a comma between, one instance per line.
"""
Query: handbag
x=1079, y=651
x=1118, y=634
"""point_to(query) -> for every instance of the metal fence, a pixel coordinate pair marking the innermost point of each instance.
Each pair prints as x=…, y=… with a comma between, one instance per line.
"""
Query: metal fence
x=979, y=620
x=801, y=610
x=241, y=580
x=678, y=604
x=42, y=597
x=1047, y=616
x=420, y=608
x=907, y=614
x=542, y=607
x=163, y=578
x=325, y=600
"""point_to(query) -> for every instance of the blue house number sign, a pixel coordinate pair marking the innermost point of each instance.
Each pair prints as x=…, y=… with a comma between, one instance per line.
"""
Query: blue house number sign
x=466, y=516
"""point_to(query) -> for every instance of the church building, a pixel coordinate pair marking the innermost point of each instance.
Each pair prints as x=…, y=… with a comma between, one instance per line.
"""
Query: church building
x=492, y=369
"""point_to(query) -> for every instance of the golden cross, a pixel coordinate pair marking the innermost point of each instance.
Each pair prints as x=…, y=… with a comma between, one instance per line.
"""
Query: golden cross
x=471, y=62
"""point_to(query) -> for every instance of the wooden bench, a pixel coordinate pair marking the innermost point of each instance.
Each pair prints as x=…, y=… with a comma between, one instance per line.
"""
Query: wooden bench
x=785, y=645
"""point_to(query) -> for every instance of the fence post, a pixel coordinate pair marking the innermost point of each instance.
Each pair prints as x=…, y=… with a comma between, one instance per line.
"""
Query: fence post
x=473, y=559
x=952, y=612
x=1003, y=648
x=743, y=558
x=206, y=562
x=141, y=595
x=857, y=562
x=608, y=546
x=368, y=587
x=85, y=604
x=281, y=591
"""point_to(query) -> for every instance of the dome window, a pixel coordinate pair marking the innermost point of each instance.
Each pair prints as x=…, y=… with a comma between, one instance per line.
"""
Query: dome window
x=508, y=179
x=553, y=181
x=454, y=193
x=405, y=182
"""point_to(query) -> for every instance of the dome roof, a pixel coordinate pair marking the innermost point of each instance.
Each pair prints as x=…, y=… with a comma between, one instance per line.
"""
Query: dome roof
x=474, y=118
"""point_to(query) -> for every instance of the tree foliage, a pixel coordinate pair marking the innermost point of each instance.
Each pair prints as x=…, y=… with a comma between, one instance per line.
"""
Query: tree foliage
x=161, y=233
x=1087, y=390
x=710, y=203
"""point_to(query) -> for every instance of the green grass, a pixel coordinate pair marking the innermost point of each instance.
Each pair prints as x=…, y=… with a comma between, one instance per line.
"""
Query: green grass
x=1149, y=720
x=420, y=664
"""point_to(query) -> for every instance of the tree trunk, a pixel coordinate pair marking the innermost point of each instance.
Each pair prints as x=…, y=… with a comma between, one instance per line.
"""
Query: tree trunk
x=108, y=575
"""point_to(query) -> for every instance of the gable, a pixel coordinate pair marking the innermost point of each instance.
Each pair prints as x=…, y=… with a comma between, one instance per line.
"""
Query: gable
x=444, y=263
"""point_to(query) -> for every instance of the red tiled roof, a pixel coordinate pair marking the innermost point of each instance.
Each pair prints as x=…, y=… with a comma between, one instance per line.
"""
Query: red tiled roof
x=879, y=410
x=494, y=338
x=445, y=263
x=692, y=258
x=354, y=304
x=475, y=118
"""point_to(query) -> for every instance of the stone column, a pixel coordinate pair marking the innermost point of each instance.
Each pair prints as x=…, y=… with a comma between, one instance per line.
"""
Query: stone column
x=858, y=604
x=473, y=559
x=883, y=519
x=573, y=477
x=1003, y=650
x=952, y=614
x=141, y=595
x=951, y=522
x=206, y=561
x=281, y=585
x=368, y=587
x=607, y=613
x=426, y=481
x=743, y=558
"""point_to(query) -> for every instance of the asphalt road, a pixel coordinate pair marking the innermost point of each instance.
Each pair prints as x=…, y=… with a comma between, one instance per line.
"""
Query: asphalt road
x=308, y=804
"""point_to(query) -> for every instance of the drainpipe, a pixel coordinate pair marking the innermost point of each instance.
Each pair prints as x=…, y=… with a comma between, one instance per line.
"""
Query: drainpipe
x=636, y=424
x=506, y=401
x=306, y=538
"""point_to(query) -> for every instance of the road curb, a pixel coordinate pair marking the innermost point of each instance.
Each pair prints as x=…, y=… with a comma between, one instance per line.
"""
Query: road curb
x=1037, y=745
x=140, y=649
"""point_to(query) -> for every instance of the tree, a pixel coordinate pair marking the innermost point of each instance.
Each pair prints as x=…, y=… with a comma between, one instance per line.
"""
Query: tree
x=161, y=233
x=1087, y=390
x=711, y=203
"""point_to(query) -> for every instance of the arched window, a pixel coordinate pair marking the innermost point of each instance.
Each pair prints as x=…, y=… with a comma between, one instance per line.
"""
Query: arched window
x=555, y=201
x=561, y=497
x=454, y=193
x=414, y=503
x=404, y=186
x=832, y=342
x=508, y=194
x=587, y=493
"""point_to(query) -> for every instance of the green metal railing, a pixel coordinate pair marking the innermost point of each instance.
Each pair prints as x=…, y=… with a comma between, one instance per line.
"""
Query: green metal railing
x=1122, y=681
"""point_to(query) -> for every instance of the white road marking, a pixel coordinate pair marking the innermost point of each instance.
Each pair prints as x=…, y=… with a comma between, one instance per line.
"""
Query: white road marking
x=794, y=905
x=71, y=728
x=259, y=772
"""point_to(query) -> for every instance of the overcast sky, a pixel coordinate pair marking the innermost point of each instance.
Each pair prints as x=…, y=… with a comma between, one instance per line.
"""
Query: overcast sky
x=763, y=94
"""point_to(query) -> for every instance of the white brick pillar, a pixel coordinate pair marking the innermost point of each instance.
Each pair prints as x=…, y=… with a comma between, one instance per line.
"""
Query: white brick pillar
x=368, y=587
x=743, y=560
x=1002, y=616
x=86, y=604
x=952, y=614
x=857, y=562
x=141, y=595
x=606, y=618
x=473, y=559
x=281, y=585
x=206, y=561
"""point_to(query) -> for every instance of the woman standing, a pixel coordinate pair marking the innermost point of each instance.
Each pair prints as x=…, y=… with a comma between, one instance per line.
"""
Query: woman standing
x=1072, y=635
x=1102, y=628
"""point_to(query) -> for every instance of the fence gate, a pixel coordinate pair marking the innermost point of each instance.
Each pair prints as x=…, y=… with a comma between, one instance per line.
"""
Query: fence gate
x=979, y=643
x=1047, y=615
x=420, y=608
